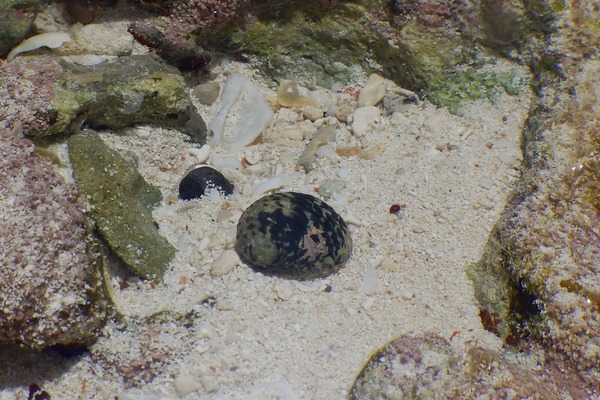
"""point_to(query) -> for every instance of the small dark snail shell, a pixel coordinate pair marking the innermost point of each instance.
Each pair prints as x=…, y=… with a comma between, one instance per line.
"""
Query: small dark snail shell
x=200, y=179
x=293, y=235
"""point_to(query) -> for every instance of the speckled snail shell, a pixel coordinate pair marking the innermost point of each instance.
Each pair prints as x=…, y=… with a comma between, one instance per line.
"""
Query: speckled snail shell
x=293, y=235
x=200, y=178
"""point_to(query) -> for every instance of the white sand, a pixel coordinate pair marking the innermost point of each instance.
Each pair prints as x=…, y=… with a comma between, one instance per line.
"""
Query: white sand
x=269, y=338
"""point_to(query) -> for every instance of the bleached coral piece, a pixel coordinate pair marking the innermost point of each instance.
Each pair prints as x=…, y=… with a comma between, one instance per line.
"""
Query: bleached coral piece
x=49, y=39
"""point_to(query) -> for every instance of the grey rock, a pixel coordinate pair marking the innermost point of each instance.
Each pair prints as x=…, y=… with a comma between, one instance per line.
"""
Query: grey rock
x=207, y=93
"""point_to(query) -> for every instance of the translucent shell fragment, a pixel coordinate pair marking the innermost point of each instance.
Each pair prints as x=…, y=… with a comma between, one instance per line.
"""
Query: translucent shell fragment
x=293, y=235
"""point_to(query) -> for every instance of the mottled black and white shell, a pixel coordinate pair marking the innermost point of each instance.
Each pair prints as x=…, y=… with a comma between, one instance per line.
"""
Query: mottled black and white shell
x=293, y=235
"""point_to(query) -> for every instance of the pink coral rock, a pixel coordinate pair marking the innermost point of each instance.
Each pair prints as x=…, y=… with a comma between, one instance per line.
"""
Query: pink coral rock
x=48, y=285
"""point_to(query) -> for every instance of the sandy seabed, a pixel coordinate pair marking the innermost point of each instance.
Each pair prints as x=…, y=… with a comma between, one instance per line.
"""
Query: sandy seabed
x=231, y=333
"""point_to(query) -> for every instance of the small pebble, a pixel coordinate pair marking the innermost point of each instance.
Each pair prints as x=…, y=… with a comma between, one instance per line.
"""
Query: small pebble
x=200, y=154
x=365, y=119
x=225, y=263
x=207, y=93
x=406, y=294
x=186, y=384
x=210, y=384
x=328, y=188
x=368, y=303
x=312, y=113
x=284, y=291
x=370, y=281
x=387, y=264
x=343, y=172
x=292, y=94
x=373, y=91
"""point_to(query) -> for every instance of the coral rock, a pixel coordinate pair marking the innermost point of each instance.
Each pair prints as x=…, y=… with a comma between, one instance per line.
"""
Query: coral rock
x=50, y=290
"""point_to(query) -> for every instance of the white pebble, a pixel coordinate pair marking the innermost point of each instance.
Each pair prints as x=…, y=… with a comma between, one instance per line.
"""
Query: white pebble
x=253, y=156
x=343, y=172
x=273, y=183
x=200, y=154
x=225, y=263
x=204, y=244
x=273, y=390
x=225, y=162
x=365, y=119
x=370, y=281
x=284, y=291
x=406, y=294
x=373, y=91
x=327, y=151
x=186, y=384
x=368, y=303
x=349, y=218
x=210, y=384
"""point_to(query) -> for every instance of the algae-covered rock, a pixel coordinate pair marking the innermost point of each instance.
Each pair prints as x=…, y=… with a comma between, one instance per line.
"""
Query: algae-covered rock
x=50, y=287
x=314, y=48
x=126, y=91
x=16, y=19
x=48, y=96
x=428, y=48
x=121, y=203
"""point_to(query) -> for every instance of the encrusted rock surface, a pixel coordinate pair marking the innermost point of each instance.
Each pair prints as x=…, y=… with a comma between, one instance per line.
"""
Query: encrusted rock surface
x=539, y=279
x=324, y=42
x=26, y=89
x=49, y=96
x=427, y=367
x=121, y=204
x=324, y=46
x=49, y=277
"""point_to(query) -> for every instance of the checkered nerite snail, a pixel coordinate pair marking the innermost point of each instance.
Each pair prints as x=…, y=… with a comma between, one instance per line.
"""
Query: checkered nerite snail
x=293, y=235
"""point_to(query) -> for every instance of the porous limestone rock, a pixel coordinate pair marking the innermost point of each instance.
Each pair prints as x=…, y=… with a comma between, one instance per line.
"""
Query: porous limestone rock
x=426, y=366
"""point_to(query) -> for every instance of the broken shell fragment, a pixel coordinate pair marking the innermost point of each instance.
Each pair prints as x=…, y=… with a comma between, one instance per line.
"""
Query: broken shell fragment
x=200, y=179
